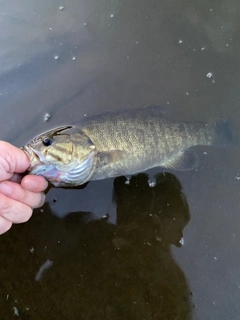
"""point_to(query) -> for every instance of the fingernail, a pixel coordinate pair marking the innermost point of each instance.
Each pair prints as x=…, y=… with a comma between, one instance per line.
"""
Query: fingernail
x=30, y=184
x=6, y=188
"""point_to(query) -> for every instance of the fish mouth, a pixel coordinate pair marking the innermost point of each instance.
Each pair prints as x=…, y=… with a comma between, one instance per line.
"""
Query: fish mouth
x=33, y=156
x=26, y=149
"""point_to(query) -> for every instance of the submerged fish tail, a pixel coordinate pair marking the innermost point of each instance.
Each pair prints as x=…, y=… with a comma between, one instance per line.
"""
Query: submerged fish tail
x=219, y=134
x=223, y=133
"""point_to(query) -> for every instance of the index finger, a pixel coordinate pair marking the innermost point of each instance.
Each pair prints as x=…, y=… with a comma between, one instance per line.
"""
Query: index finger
x=13, y=159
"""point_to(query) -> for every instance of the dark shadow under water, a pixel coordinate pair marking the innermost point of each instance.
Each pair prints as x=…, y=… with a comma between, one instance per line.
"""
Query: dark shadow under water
x=70, y=269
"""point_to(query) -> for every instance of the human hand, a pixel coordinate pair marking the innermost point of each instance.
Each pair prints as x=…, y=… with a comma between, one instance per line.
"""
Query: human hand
x=17, y=200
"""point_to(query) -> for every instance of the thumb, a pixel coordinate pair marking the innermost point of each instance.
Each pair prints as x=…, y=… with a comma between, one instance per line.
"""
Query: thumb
x=12, y=159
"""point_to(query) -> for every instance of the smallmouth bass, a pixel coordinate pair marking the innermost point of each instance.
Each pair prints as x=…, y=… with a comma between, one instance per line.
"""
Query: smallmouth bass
x=120, y=143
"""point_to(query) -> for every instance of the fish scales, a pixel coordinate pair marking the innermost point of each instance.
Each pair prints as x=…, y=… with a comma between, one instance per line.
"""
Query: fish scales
x=120, y=143
x=148, y=139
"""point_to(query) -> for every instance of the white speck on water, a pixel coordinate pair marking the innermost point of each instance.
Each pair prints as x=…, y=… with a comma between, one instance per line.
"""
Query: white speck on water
x=41, y=210
x=168, y=102
x=214, y=303
x=128, y=57
x=148, y=243
x=7, y=297
x=209, y=75
x=73, y=58
x=85, y=115
x=181, y=241
x=50, y=29
x=187, y=93
x=227, y=44
x=57, y=57
x=237, y=178
x=180, y=41
x=46, y=117
x=137, y=42
x=46, y=265
x=31, y=249
x=61, y=8
x=152, y=182
x=105, y=216
x=204, y=152
x=203, y=48
x=159, y=239
x=112, y=15
x=15, y=311
x=85, y=23
x=127, y=182
x=215, y=258
x=211, y=9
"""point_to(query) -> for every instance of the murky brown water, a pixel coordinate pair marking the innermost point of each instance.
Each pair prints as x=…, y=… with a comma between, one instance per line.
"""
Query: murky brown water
x=71, y=261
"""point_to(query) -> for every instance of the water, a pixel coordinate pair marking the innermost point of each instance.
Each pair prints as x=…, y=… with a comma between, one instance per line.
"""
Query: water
x=116, y=246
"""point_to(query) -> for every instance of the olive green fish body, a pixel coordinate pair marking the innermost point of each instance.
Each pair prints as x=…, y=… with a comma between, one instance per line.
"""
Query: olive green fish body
x=120, y=143
x=134, y=141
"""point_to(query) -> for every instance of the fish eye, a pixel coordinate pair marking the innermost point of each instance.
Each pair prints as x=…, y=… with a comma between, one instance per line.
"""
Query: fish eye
x=47, y=142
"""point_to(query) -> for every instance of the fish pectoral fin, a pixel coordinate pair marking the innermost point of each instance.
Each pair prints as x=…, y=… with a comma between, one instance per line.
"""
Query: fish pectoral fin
x=185, y=160
x=112, y=156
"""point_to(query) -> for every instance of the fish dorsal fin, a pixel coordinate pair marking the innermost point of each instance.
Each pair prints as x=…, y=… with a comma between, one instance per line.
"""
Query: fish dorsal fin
x=185, y=160
x=153, y=110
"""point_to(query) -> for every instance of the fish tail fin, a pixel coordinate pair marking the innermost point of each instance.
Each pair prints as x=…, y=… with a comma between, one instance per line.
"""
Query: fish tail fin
x=223, y=133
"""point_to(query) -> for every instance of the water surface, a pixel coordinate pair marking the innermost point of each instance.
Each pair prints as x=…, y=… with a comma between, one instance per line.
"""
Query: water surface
x=114, y=250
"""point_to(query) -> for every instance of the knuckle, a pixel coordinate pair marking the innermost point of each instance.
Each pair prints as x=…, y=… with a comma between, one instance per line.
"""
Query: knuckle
x=23, y=196
x=5, y=225
x=27, y=214
x=40, y=201
x=6, y=205
x=45, y=185
x=42, y=184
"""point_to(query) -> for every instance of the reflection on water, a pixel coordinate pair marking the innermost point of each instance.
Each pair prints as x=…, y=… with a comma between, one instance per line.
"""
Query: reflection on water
x=94, y=197
x=101, y=270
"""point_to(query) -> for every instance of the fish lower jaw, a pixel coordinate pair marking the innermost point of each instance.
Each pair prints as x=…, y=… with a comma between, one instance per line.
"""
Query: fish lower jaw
x=47, y=171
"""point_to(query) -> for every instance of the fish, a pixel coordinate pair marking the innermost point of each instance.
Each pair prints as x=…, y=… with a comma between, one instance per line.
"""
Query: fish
x=121, y=143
